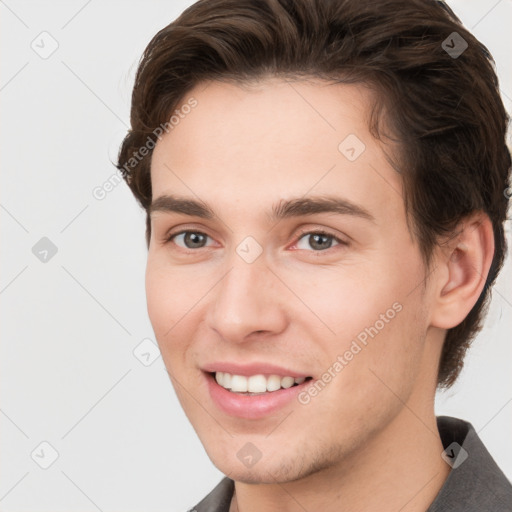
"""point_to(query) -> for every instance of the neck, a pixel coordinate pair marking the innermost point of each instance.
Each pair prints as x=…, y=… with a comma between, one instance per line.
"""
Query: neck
x=399, y=469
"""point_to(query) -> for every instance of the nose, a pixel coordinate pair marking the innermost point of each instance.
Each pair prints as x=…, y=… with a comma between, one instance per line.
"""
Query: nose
x=247, y=301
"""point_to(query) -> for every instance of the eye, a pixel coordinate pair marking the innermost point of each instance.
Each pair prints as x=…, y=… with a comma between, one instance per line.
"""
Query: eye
x=318, y=240
x=189, y=239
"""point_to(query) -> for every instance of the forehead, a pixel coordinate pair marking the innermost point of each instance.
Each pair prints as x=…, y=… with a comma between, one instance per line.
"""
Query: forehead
x=273, y=140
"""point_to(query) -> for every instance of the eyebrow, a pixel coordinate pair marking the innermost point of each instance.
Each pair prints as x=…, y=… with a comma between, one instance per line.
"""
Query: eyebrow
x=297, y=207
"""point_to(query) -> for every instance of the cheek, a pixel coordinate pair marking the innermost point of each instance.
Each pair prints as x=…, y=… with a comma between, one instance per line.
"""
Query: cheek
x=375, y=317
x=346, y=300
x=169, y=303
x=171, y=291
x=160, y=300
x=384, y=371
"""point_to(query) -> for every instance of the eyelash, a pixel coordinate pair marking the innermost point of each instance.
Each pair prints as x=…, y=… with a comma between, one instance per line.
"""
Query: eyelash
x=302, y=233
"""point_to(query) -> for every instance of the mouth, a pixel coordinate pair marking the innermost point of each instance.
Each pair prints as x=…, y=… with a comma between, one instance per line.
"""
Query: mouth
x=256, y=385
x=253, y=397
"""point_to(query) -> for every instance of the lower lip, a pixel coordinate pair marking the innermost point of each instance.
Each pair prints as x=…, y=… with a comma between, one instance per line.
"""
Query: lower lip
x=251, y=406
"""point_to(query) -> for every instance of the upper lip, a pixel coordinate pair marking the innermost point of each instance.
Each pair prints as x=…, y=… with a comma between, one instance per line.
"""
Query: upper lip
x=252, y=369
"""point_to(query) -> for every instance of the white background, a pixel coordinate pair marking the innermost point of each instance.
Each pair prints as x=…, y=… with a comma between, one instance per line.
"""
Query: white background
x=69, y=326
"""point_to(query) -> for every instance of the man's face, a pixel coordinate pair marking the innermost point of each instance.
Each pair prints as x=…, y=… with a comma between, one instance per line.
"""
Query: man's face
x=247, y=294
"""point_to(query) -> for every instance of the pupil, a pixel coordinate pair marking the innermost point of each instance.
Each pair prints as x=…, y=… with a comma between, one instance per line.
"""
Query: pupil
x=317, y=237
x=194, y=240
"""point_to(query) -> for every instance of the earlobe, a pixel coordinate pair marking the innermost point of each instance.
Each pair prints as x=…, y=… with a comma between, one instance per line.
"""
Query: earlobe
x=463, y=270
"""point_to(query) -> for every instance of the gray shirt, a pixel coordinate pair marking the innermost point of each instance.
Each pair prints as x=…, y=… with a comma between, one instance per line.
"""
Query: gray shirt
x=475, y=483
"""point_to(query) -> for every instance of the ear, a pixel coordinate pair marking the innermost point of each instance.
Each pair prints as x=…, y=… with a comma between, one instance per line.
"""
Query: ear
x=462, y=268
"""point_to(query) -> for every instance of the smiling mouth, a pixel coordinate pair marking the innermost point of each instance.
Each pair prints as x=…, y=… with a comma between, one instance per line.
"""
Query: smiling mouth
x=258, y=384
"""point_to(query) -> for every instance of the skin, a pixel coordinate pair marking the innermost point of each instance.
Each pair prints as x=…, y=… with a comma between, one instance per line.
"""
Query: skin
x=368, y=441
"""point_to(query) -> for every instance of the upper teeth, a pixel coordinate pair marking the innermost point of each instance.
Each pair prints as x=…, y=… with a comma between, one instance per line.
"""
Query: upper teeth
x=255, y=383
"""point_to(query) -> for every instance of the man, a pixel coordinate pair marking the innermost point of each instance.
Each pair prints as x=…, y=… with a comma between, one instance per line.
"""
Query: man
x=325, y=185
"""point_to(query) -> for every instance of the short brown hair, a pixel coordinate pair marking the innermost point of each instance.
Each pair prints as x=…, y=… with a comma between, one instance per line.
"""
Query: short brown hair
x=444, y=109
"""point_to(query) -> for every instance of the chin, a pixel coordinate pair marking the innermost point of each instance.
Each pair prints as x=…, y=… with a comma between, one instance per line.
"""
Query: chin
x=279, y=468
x=263, y=474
